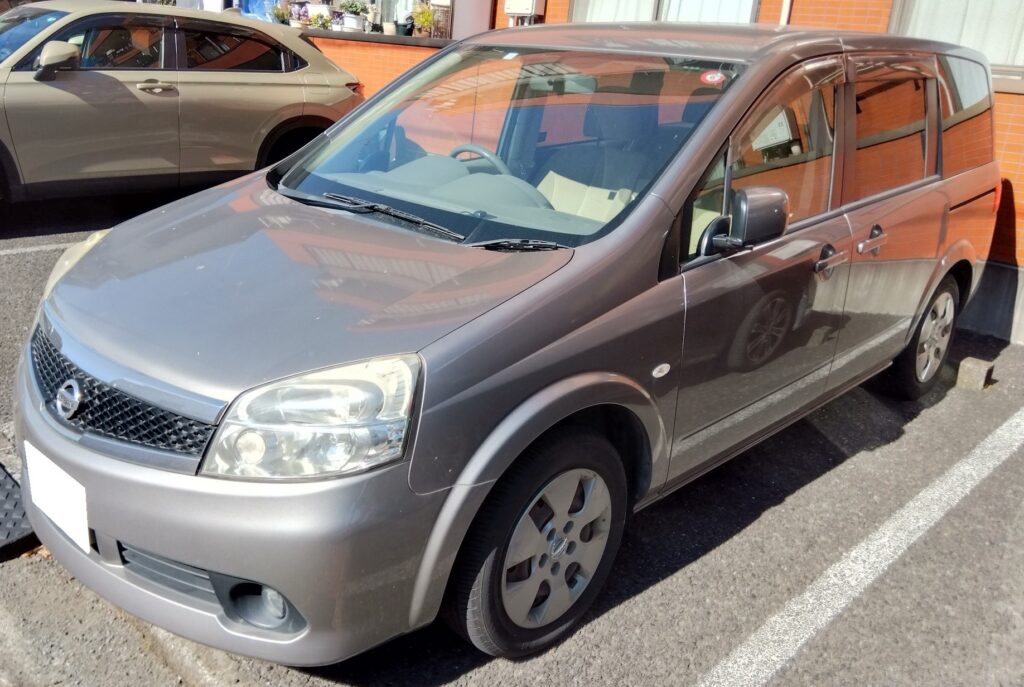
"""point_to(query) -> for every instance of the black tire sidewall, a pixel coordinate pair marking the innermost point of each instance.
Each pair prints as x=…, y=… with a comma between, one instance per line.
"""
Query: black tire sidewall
x=904, y=382
x=567, y=451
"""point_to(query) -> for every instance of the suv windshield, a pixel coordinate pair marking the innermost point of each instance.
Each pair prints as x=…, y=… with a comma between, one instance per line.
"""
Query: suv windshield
x=19, y=25
x=510, y=143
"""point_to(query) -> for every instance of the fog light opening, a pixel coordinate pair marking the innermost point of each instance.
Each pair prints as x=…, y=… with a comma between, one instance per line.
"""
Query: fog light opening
x=260, y=605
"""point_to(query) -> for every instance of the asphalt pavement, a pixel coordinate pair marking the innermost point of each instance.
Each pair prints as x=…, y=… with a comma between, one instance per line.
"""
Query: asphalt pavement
x=873, y=543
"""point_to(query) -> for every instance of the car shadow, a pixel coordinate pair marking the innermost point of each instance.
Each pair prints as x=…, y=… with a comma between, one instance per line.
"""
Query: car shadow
x=67, y=215
x=698, y=518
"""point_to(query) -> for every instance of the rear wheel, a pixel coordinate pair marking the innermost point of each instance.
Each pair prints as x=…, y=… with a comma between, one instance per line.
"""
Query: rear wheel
x=916, y=370
x=287, y=143
x=542, y=547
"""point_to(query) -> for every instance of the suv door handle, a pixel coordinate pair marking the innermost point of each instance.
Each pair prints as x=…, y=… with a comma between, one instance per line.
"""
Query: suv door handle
x=155, y=86
x=829, y=260
x=874, y=242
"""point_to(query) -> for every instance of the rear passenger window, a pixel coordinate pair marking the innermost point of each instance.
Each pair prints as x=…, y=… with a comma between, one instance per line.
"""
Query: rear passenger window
x=788, y=141
x=891, y=135
x=965, y=104
x=225, y=52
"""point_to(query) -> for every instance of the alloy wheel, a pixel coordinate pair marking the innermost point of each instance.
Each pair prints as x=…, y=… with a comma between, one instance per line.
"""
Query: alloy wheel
x=936, y=331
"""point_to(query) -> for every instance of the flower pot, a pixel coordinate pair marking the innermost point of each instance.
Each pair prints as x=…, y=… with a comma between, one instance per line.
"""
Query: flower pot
x=295, y=24
x=337, y=26
x=421, y=31
x=352, y=22
x=390, y=28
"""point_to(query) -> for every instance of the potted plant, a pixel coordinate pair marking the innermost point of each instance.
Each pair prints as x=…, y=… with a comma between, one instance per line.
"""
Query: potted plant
x=320, y=21
x=423, y=19
x=353, y=14
x=299, y=16
x=280, y=12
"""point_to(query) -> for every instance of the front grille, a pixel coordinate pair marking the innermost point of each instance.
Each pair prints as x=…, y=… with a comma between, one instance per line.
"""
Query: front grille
x=167, y=573
x=112, y=413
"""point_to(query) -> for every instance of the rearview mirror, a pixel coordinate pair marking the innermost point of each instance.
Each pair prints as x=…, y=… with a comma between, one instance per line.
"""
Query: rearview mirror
x=57, y=55
x=758, y=214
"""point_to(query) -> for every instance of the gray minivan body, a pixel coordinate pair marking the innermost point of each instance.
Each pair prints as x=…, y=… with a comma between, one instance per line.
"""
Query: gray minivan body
x=677, y=348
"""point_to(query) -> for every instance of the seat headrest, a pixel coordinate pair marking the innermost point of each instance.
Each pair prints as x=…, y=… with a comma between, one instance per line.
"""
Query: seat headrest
x=142, y=38
x=625, y=120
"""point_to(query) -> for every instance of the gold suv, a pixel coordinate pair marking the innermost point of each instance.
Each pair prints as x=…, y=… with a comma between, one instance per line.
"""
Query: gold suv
x=111, y=96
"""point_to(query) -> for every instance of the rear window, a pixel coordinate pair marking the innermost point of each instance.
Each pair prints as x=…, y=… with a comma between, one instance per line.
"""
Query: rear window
x=891, y=135
x=224, y=52
x=966, y=107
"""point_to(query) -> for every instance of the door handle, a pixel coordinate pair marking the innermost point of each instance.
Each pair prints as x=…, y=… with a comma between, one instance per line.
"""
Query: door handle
x=155, y=86
x=874, y=242
x=829, y=260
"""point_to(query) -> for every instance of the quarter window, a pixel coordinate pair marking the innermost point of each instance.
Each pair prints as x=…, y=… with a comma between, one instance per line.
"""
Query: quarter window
x=225, y=52
x=966, y=109
x=891, y=135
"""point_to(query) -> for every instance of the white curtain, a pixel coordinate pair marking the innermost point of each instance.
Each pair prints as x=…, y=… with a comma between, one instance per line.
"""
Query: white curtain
x=728, y=11
x=613, y=10
x=995, y=27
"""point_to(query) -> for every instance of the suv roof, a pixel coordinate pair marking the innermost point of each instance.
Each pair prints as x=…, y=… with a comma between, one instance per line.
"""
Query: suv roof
x=731, y=42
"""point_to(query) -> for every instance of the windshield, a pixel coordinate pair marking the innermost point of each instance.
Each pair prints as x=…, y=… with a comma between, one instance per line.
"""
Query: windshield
x=508, y=143
x=19, y=25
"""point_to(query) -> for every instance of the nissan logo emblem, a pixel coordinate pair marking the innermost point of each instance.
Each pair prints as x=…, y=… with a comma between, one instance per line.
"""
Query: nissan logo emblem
x=69, y=397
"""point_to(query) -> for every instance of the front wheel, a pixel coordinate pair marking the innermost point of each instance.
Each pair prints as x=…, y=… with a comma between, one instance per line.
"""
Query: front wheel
x=916, y=370
x=542, y=546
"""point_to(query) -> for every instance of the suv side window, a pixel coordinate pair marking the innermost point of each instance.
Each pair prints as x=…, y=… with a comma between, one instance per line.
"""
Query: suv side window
x=787, y=141
x=966, y=111
x=111, y=42
x=891, y=121
x=209, y=50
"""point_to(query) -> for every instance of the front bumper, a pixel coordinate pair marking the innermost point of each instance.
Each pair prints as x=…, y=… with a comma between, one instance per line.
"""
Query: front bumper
x=343, y=552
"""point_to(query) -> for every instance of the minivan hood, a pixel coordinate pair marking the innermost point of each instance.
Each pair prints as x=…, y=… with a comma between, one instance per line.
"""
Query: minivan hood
x=238, y=285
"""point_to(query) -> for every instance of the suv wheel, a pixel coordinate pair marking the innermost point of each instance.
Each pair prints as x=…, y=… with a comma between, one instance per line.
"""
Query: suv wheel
x=916, y=370
x=542, y=546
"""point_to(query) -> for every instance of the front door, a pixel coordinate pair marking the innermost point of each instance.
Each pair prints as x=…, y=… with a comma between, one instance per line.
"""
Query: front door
x=762, y=323
x=114, y=116
x=897, y=209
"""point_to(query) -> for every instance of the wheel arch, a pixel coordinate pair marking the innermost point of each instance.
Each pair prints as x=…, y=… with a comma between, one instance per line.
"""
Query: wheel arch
x=960, y=262
x=10, y=180
x=286, y=127
x=614, y=405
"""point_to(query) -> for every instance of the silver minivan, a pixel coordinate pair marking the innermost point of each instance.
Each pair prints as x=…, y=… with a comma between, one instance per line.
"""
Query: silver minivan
x=434, y=360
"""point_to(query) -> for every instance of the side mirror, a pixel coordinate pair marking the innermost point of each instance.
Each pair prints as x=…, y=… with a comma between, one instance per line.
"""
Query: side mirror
x=759, y=214
x=57, y=55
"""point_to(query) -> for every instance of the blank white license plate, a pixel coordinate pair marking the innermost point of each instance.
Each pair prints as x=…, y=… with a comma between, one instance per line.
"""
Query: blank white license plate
x=58, y=495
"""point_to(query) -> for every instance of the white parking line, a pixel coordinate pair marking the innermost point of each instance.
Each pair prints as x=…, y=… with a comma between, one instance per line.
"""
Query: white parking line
x=767, y=650
x=35, y=249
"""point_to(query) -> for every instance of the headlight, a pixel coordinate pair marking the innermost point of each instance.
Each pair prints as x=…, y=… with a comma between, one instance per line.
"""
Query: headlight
x=334, y=422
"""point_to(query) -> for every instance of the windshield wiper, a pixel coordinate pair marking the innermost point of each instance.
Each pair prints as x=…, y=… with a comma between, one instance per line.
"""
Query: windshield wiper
x=365, y=206
x=518, y=245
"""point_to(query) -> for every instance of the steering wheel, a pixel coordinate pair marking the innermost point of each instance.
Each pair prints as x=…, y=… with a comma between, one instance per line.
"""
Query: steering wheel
x=495, y=161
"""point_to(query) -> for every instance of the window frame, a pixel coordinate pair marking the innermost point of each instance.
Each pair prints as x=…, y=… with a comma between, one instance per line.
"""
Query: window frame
x=906, y=66
x=755, y=9
x=288, y=63
x=838, y=167
x=168, y=50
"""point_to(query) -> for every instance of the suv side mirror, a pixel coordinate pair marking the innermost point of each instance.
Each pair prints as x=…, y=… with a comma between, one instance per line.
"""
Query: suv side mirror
x=759, y=214
x=57, y=55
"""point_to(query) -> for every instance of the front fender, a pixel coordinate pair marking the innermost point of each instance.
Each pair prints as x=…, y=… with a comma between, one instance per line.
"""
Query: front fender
x=499, y=450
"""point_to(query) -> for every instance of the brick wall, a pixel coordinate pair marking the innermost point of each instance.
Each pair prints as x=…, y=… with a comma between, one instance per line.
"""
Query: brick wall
x=555, y=12
x=849, y=15
x=374, y=64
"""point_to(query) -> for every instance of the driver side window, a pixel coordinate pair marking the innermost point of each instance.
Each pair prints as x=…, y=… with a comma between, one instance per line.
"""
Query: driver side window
x=786, y=142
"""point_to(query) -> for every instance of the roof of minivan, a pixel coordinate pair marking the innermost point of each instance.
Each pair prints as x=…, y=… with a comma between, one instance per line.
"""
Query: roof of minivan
x=729, y=42
x=278, y=31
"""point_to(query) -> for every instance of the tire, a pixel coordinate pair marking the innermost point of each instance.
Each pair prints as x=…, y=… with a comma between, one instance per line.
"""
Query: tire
x=287, y=143
x=917, y=369
x=762, y=332
x=500, y=606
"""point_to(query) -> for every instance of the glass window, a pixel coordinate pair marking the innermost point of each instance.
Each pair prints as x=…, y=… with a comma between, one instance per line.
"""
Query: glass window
x=706, y=204
x=994, y=27
x=966, y=107
x=788, y=141
x=225, y=52
x=499, y=142
x=891, y=135
x=21, y=24
x=119, y=46
x=734, y=11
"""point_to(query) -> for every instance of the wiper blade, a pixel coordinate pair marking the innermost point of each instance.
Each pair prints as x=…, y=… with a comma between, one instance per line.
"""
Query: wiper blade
x=518, y=245
x=360, y=205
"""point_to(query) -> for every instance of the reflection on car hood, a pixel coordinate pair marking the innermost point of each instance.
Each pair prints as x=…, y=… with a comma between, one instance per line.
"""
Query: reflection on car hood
x=238, y=285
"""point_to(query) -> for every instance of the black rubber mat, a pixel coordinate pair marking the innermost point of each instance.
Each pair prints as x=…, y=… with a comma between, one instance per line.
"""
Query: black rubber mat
x=15, y=531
